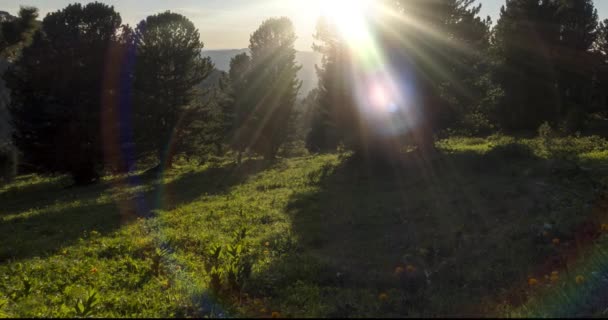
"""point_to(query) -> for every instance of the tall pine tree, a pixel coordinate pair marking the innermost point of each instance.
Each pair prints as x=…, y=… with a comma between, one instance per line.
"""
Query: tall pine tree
x=15, y=34
x=334, y=111
x=574, y=61
x=240, y=66
x=56, y=91
x=525, y=37
x=444, y=44
x=272, y=84
x=169, y=67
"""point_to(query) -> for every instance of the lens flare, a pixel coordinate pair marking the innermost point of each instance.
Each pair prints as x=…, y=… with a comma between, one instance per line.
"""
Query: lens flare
x=378, y=84
x=379, y=96
x=383, y=80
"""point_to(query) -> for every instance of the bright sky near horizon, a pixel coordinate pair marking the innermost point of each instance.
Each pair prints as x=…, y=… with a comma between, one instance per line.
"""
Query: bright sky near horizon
x=227, y=24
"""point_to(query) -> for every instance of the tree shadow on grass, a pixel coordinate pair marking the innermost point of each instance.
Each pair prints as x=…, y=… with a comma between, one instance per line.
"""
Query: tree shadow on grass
x=23, y=185
x=440, y=238
x=211, y=181
x=35, y=224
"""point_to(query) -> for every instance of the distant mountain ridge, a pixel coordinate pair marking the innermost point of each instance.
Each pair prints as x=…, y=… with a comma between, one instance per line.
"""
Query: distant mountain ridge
x=307, y=59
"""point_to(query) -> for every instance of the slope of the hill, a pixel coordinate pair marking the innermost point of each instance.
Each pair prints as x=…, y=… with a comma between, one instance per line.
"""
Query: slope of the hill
x=322, y=236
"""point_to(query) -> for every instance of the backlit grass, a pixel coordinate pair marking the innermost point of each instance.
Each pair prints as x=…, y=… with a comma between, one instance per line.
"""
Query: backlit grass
x=307, y=236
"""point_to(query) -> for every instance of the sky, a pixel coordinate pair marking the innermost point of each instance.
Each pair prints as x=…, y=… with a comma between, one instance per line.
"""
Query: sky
x=227, y=24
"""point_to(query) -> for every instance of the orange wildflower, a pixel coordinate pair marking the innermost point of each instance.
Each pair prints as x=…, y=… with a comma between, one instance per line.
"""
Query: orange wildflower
x=399, y=270
x=410, y=268
x=532, y=282
x=556, y=241
x=93, y=270
x=383, y=296
x=275, y=315
x=579, y=279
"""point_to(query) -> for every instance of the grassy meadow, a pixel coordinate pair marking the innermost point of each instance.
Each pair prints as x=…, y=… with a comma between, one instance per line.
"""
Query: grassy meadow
x=487, y=228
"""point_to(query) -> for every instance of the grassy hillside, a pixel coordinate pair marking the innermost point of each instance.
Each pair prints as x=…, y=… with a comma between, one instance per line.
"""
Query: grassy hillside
x=312, y=236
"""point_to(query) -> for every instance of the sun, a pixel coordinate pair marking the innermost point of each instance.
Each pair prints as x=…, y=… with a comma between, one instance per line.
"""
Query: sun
x=349, y=16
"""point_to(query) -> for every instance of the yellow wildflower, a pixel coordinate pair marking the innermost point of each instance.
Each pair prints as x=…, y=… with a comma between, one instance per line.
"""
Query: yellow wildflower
x=275, y=315
x=554, y=276
x=556, y=241
x=263, y=310
x=383, y=296
x=604, y=227
x=579, y=279
x=532, y=282
x=266, y=252
x=410, y=268
x=267, y=243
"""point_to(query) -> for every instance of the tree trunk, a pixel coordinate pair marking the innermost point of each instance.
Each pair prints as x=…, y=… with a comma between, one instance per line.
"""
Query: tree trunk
x=218, y=149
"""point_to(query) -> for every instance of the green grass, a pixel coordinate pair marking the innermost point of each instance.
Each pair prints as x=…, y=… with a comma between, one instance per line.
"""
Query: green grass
x=323, y=235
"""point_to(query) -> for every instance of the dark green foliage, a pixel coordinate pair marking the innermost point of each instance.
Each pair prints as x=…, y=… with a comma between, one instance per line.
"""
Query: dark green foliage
x=544, y=64
x=241, y=107
x=601, y=44
x=16, y=33
x=57, y=91
x=574, y=62
x=168, y=69
x=446, y=54
x=271, y=86
x=600, y=96
x=449, y=54
x=523, y=34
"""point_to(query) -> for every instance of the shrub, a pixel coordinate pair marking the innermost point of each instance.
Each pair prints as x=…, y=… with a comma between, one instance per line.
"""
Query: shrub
x=229, y=265
x=545, y=131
